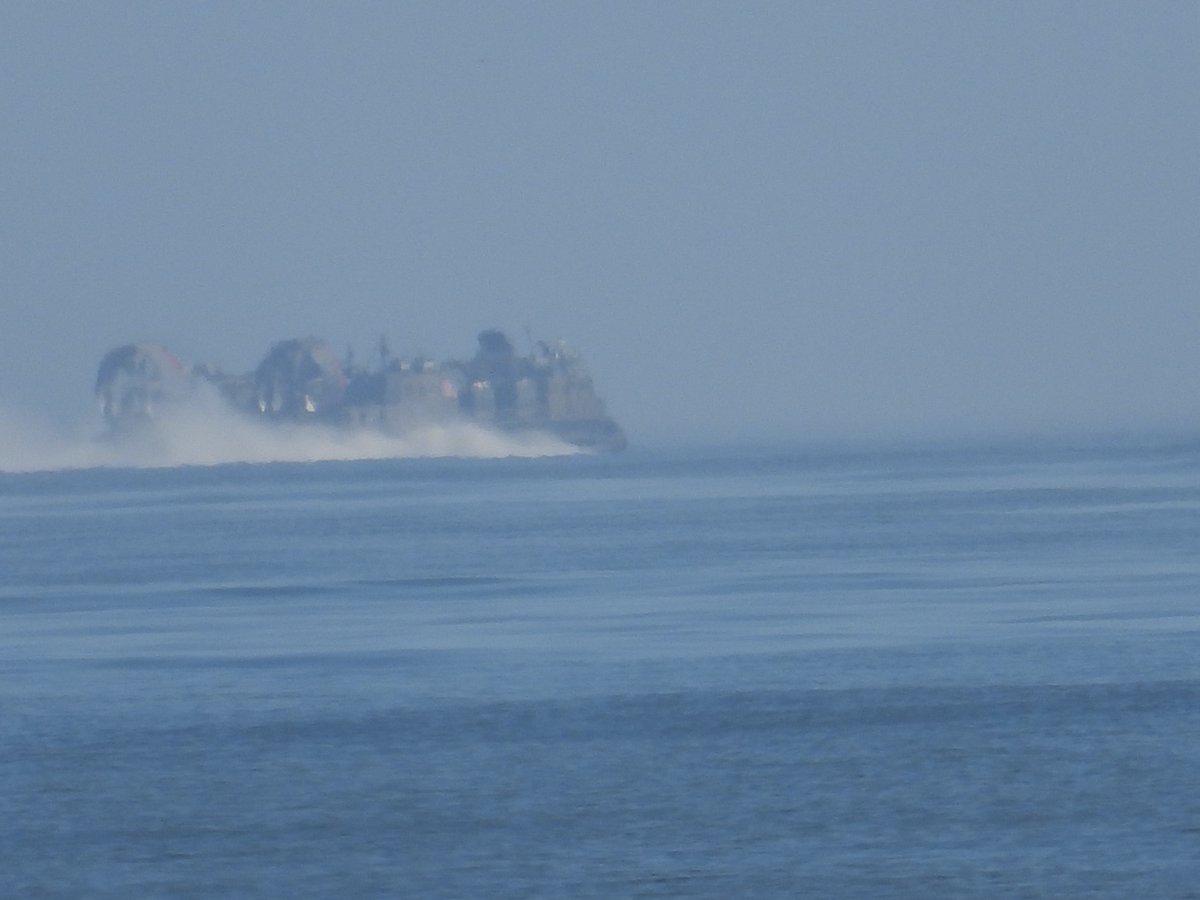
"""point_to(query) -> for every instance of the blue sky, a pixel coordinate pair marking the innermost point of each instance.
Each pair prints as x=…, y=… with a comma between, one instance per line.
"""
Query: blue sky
x=757, y=221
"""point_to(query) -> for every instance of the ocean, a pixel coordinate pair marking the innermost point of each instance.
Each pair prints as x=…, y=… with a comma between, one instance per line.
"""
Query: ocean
x=919, y=672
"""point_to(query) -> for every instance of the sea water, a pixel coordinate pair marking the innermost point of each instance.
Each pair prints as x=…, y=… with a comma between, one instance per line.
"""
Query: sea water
x=917, y=673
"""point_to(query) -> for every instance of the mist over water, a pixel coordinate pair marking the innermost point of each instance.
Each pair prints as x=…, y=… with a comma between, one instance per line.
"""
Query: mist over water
x=206, y=432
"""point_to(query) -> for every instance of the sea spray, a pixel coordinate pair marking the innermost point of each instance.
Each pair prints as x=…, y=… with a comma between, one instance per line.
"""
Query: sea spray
x=206, y=432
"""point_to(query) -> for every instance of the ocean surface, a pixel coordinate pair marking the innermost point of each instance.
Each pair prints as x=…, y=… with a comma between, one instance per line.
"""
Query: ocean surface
x=916, y=673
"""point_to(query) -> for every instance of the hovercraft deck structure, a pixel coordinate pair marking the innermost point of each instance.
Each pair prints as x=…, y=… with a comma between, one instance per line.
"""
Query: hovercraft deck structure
x=304, y=380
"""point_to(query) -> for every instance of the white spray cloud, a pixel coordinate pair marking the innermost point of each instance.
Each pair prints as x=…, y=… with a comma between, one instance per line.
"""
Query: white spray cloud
x=207, y=432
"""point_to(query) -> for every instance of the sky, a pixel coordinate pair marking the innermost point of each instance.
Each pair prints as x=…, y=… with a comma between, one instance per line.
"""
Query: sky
x=756, y=221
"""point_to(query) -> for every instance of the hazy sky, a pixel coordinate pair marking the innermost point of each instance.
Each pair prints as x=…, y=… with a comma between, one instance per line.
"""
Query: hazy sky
x=756, y=220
